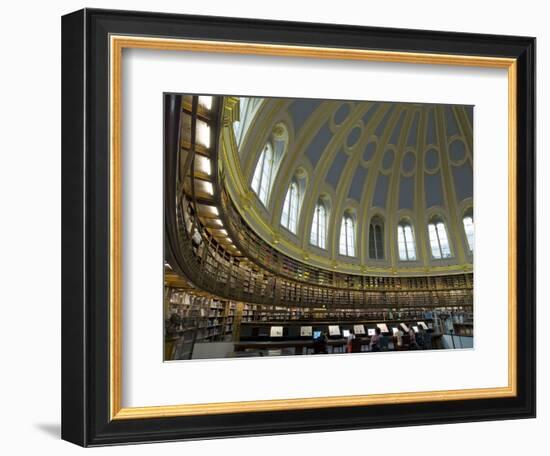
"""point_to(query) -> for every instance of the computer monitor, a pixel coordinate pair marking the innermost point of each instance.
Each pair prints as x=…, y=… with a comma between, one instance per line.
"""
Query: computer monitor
x=415, y=329
x=316, y=334
x=306, y=331
x=422, y=325
x=358, y=329
x=371, y=332
x=345, y=333
x=394, y=330
x=276, y=331
x=404, y=327
x=334, y=330
x=383, y=327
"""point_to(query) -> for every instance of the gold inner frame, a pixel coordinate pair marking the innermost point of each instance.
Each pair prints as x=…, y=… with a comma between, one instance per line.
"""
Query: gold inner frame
x=117, y=44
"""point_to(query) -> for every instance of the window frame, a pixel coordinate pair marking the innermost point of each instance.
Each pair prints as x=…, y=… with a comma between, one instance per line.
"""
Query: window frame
x=260, y=173
x=410, y=244
x=293, y=203
x=470, y=237
x=349, y=241
x=437, y=223
x=376, y=238
x=321, y=229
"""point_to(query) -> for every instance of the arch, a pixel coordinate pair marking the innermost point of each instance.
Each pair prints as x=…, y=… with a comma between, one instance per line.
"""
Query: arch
x=376, y=238
x=248, y=108
x=291, y=207
x=319, y=225
x=325, y=195
x=439, y=238
x=406, y=241
x=468, y=224
x=348, y=235
x=263, y=174
x=267, y=164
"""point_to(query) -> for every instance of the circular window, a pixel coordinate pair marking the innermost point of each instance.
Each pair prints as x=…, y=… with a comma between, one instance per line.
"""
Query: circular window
x=457, y=151
x=354, y=136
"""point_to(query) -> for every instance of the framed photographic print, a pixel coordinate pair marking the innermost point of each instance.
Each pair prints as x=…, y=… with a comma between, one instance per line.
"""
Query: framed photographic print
x=275, y=227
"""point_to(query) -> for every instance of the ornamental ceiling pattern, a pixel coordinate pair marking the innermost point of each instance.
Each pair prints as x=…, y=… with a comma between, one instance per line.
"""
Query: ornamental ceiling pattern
x=392, y=161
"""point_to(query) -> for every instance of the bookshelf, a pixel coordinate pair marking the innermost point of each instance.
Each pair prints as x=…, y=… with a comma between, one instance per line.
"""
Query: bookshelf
x=210, y=320
x=197, y=318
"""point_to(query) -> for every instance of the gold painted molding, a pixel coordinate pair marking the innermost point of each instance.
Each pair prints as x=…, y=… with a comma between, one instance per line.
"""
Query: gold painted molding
x=309, y=403
x=117, y=44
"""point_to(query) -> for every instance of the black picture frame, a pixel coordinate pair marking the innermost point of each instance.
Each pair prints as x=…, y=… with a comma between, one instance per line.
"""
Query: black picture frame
x=85, y=228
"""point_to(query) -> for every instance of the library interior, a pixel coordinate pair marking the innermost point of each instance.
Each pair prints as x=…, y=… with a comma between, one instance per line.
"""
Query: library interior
x=316, y=226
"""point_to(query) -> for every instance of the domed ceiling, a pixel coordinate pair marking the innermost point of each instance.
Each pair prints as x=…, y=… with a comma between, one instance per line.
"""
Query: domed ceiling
x=378, y=161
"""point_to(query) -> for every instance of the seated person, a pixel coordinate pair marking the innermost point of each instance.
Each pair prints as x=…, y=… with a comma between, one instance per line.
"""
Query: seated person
x=320, y=344
x=420, y=339
x=399, y=339
x=428, y=339
x=383, y=342
x=349, y=342
x=375, y=341
x=412, y=339
x=356, y=345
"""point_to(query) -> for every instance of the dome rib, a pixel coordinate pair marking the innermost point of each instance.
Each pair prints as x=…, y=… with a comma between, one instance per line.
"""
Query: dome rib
x=410, y=172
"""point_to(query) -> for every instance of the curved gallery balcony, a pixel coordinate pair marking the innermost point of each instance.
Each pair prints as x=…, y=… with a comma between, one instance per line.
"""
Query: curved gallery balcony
x=213, y=250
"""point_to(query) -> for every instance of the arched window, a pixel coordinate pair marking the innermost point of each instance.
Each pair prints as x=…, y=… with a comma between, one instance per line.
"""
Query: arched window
x=439, y=241
x=376, y=239
x=319, y=226
x=468, y=222
x=347, y=236
x=261, y=182
x=289, y=218
x=405, y=241
x=236, y=129
x=248, y=108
